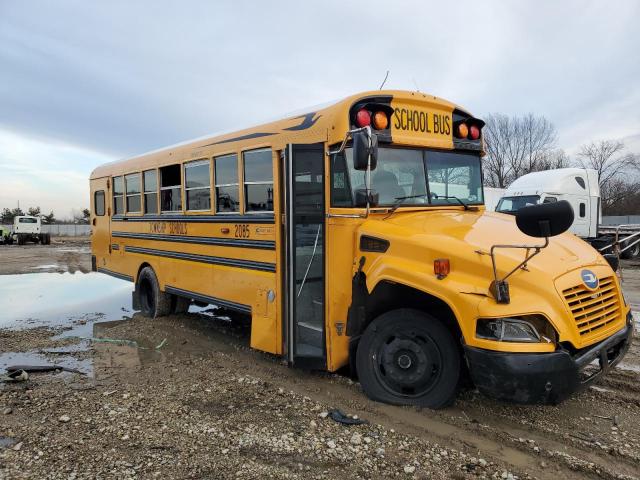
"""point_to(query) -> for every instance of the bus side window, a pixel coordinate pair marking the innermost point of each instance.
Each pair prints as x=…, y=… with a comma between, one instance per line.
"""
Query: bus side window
x=150, y=178
x=118, y=191
x=170, y=189
x=583, y=210
x=227, y=191
x=550, y=200
x=196, y=185
x=132, y=184
x=258, y=180
x=98, y=202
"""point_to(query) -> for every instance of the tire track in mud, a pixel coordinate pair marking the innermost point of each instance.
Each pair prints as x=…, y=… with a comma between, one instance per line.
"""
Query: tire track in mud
x=477, y=426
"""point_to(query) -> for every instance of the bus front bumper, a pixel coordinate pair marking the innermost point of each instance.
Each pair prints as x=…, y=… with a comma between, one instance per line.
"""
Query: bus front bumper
x=546, y=378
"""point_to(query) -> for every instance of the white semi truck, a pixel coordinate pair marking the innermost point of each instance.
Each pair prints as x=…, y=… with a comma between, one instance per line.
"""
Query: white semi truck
x=578, y=186
x=27, y=228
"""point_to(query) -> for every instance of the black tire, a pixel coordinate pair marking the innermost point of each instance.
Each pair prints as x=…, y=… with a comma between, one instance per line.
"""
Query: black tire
x=180, y=304
x=408, y=357
x=21, y=239
x=9, y=240
x=154, y=303
x=48, y=238
x=632, y=252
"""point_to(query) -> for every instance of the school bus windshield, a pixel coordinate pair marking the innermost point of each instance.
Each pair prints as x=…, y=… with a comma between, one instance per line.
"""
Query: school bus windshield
x=430, y=177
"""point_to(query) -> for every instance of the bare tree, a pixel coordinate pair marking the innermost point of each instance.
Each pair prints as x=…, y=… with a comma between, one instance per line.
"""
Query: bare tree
x=616, y=194
x=607, y=158
x=553, y=159
x=518, y=145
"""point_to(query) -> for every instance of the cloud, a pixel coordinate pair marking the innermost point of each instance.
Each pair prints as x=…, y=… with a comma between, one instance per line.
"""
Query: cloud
x=51, y=175
x=120, y=78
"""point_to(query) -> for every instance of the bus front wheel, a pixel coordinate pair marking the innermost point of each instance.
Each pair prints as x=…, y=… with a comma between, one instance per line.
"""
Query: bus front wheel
x=153, y=302
x=408, y=357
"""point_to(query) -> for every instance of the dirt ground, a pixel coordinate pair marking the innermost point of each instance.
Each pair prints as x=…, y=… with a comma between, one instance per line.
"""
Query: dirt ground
x=65, y=254
x=184, y=397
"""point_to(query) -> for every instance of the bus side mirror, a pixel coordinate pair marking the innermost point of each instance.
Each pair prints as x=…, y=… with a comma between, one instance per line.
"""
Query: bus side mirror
x=545, y=220
x=362, y=150
x=361, y=198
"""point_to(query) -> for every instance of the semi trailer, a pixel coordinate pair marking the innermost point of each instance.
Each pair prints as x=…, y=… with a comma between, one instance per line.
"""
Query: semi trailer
x=580, y=187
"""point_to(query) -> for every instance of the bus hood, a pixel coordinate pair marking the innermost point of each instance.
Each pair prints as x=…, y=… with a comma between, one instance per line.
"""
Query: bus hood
x=464, y=236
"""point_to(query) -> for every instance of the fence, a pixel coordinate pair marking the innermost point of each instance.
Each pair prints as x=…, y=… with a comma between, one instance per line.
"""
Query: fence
x=67, y=230
x=620, y=219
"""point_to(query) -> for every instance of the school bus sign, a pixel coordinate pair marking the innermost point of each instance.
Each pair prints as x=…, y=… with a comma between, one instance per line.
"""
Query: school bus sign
x=421, y=124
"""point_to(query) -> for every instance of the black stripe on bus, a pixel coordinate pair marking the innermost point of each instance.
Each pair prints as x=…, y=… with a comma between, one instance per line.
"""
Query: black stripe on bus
x=225, y=242
x=196, y=218
x=207, y=299
x=242, y=137
x=121, y=276
x=115, y=246
x=229, y=262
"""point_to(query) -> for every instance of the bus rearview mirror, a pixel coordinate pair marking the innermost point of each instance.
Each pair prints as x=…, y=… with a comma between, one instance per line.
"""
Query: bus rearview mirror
x=362, y=151
x=545, y=220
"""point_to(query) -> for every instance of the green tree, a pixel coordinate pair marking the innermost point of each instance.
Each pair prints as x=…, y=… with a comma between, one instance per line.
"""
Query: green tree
x=33, y=211
x=16, y=212
x=6, y=216
x=49, y=218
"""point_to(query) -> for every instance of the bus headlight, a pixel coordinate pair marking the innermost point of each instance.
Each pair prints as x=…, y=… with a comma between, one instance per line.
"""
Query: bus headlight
x=527, y=329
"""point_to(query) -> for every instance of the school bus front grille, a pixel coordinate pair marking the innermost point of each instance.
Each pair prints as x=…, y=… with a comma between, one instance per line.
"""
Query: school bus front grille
x=593, y=309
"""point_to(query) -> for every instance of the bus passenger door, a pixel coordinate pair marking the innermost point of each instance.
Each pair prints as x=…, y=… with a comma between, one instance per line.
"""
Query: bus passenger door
x=100, y=216
x=304, y=253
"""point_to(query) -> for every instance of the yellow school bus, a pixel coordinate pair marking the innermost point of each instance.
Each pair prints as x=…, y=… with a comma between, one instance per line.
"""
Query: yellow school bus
x=355, y=235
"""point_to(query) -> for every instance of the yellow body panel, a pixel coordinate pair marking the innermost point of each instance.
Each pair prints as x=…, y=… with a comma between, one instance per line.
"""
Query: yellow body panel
x=417, y=236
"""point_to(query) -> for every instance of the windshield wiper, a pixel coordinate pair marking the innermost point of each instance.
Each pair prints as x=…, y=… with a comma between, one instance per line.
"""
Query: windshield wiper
x=466, y=207
x=398, y=202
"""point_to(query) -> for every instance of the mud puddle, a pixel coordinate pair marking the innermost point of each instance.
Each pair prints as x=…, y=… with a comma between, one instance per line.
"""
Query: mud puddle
x=62, y=300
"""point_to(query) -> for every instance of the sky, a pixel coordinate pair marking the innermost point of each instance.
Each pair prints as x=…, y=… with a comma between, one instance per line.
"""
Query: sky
x=83, y=83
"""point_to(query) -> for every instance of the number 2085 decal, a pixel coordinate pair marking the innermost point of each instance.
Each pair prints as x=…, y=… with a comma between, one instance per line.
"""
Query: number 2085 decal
x=242, y=230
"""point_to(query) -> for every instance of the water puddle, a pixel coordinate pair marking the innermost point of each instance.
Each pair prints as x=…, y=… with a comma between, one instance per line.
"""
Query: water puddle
x=85, y=307
x=62, y=300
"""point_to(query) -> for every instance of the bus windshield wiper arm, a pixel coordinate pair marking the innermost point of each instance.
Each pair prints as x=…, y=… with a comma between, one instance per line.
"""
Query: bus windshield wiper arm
x=399, y=200
x=466, y=207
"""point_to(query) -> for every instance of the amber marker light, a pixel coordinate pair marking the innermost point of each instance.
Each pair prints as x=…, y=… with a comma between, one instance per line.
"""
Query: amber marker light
x=441, y=267
x=380, y=121
x=463, y=130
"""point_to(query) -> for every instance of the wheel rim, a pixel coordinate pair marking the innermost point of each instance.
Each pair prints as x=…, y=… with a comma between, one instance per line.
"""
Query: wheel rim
x=407, y=363
x=146, y=296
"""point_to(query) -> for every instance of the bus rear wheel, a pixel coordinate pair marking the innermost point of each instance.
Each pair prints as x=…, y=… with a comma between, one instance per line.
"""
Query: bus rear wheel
x=408, y=357
x=153, y=302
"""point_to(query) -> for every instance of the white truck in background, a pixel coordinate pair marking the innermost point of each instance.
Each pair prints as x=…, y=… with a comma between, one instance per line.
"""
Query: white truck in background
x=27, y=228
x=578, y=186
x=492, y=196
